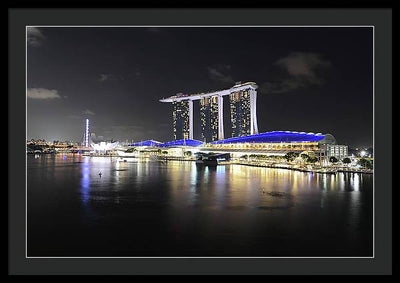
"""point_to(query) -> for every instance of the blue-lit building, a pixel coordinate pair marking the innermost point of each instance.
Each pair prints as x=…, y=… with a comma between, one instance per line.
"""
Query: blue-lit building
x=269, y=143
x=277, y=143
x=181, y=143
x=146, y=143
x=180, y=148
x=278, y=137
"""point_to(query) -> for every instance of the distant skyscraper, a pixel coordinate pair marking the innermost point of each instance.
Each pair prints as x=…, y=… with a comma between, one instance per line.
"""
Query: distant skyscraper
x=182, y=117
x=243, y=112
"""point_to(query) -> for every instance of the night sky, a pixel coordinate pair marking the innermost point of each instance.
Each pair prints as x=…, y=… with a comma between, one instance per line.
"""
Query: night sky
x=310, y=79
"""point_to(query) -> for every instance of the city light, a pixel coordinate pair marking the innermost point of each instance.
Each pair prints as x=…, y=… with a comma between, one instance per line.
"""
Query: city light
x=218, y=168
x=316, y=146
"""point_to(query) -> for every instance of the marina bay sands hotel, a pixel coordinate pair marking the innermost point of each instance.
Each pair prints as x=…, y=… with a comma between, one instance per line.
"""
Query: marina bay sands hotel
x=242, y=98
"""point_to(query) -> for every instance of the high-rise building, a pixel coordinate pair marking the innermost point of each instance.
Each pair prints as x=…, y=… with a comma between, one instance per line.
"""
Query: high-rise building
x=182, y=117
x=243, y=112
x=242, y=105
x=209, y=117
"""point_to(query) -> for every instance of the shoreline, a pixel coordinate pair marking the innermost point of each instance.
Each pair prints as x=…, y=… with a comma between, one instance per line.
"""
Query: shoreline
x=321, y=170
x=312, y=170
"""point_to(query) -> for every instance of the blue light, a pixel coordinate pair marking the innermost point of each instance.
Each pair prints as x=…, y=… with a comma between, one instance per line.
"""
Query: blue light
x=274, y=137
x=146, y=143
x=85, y=181
x=187, y=142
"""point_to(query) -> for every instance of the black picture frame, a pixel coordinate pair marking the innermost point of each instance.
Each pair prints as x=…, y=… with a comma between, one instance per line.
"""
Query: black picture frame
x=381, y=19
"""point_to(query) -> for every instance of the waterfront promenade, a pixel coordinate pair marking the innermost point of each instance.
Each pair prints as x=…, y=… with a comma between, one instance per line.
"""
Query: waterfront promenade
x=290, y=166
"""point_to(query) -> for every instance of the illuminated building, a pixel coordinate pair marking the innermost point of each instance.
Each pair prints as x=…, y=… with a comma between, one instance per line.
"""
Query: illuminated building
x=243, y=112
x=182, y=119
x=243, y=102
x=335, y=150
x=274, y=143
x=209, y=117
x=146, y=143
x=184, y=142
x=179, y=148
x=103, y=147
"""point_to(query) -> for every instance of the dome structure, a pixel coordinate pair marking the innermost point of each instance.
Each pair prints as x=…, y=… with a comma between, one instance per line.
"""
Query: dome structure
x=146, y=143
x=280, y=137
x=185, y=142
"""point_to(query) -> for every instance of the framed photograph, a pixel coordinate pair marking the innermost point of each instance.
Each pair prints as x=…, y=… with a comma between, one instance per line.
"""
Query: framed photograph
x=200, y=141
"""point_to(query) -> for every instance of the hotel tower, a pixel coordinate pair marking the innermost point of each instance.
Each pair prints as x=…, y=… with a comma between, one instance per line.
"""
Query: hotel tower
x=242, y=98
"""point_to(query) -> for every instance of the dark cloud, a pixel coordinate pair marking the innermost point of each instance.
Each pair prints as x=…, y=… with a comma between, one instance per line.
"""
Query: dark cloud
x=302, y=70
x=303, y=65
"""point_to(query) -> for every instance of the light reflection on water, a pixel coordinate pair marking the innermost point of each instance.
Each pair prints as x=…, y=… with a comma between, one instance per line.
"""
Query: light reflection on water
x=224, y=186
x=85, y=183
x=176, y=199
x=241, y=186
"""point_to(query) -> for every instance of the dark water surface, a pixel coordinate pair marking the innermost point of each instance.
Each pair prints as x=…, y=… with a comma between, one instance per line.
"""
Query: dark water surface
x=153, y=208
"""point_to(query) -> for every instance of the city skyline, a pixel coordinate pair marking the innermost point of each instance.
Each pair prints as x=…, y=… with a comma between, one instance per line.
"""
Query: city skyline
x=116, y=76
